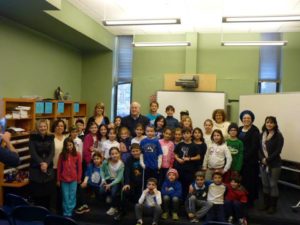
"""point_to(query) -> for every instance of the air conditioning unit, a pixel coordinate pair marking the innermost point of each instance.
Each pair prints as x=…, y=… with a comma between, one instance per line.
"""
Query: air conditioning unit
x=188, y=81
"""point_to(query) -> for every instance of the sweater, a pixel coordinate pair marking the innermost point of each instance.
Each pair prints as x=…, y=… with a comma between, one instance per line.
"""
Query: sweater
x=172, y=189
x=216, y=193
x=107, y=175
x=223, y=127
x=91, y=120
x=151, y=150
x=130, y=123
x=171, y=122
x=107, y=145
x=150, y=199
x=238, y=194
x=94, y=175
x=69, y=170
x=87, y=143
x=152, y=118
x=236, y=149
x=133, y=174
x=200, y=191
x=168, y=153
x=216, y=157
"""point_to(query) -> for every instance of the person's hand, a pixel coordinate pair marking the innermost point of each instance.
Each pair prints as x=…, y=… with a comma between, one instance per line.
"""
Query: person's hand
x=146, y=191
x=123, y=147
x=126, y=187
x=58, y=184
x=155, y=191
x=44, y=167
x=181, y=161
x=221, y=170
x=6, y=137
x=264, y=161
x=107, y=187
x=83, y=185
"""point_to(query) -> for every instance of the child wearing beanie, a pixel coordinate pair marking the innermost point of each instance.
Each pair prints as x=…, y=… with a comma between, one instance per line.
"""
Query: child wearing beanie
x=171, y=192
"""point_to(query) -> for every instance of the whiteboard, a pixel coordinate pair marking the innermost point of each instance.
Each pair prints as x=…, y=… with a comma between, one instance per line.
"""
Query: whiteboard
x=286, y=108
x=199, y=104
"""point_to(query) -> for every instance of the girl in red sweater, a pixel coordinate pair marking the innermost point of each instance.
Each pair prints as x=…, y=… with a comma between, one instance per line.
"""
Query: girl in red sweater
x=69, y=175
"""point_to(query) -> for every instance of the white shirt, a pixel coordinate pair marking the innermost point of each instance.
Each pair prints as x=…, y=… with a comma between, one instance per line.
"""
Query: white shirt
x=78, y=145
x=106, y=146
x=216, y=193
x=58, y=147
x=150, y=200
x=223, y=127
x=137, y=140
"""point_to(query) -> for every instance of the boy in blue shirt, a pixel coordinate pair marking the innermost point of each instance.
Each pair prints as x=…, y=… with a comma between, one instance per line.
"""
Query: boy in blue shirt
x=171, y=122
x=152, y=154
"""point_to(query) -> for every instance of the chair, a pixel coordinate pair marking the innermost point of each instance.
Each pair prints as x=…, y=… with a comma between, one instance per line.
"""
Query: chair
x=4, y=218
x=11, y=201
x=58, y=220
x=29, y=215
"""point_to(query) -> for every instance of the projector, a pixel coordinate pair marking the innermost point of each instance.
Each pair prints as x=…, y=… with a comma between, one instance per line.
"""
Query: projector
x=188, y=81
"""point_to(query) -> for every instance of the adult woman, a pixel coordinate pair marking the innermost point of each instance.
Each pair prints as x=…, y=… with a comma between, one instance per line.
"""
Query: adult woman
x=219, y=121
x=41, y=174
x=59, y=129
x=249, y=135
x=270, y=162
x=98, y=117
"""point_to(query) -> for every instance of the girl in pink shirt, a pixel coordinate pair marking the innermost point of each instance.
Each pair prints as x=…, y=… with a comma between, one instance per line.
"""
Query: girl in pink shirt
x=167, y=147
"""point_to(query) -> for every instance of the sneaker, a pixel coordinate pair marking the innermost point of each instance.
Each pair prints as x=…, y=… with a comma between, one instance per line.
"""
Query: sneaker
x=175, y=216
x=243, y=221
x=194, y=220
x=111, y=211
x=139, y=222
x=82, y=209
x=230, y=219
x=191, y=215
x=165, y=215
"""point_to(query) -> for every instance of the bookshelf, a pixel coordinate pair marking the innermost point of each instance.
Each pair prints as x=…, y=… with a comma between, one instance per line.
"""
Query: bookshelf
x=69, y=111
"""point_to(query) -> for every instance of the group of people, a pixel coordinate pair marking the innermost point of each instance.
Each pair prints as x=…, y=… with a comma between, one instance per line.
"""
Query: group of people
x=157, y=163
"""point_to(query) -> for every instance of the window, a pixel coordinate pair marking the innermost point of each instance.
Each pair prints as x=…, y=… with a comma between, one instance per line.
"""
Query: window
x=123, y=75
x=270, y=65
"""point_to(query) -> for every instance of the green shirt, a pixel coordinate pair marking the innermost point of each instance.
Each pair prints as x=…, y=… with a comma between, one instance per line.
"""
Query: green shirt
x=237, y=150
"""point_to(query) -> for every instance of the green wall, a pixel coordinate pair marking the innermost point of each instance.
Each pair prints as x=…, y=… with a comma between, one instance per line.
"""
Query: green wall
x=33, y=64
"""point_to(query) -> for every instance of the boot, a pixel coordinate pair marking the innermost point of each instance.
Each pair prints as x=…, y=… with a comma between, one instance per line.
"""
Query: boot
x=266, y=202
x=273, y=205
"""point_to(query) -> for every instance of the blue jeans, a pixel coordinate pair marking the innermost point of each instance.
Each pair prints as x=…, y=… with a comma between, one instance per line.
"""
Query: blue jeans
x=68, y=190
x=216, y=213
x=234, y=208
x=115, y=193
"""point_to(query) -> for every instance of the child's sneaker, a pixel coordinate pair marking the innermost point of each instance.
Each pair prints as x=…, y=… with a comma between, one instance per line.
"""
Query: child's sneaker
x=230, y=219
x=139, y=222
x=165, y=215
x=191, y=215
x=111, y=211
x=194, y=220
x=175, y=216
x=82, y=209
x=243, y=221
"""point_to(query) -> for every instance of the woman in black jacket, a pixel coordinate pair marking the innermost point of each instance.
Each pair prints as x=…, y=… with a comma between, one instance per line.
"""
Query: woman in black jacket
x=41, y=173
x=270, y=161
x=98, y=117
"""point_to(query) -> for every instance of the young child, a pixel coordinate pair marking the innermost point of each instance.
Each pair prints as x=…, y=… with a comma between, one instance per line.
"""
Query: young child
x=109, y=143
x=159, y=125
x=171, y=122
x=187, y=123
x=200, y=144
x=117, y=123
x=153, y=112
x=152, y=154
x=112, y=176
x=69, y=175
x=139, y=131
x=90, y=143
x=177, y=136
x=208, y=129
x=167, y=147
x=183, y=114
x=186, y=160
x=171, y=193
x=236, y=149
x=149, y=203
x=125, y=143
x=217, y=157
x=215, y=195
x=196, y=204
x=77, y=141
x=103, y=135
x=80, y=128
x=235, y=201
x=92, y=181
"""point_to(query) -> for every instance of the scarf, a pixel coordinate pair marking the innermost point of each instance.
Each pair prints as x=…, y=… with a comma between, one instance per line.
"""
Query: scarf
x=266, y=137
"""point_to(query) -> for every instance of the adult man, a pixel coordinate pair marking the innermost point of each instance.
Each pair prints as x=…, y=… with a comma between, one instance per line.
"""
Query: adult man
x=134, y=118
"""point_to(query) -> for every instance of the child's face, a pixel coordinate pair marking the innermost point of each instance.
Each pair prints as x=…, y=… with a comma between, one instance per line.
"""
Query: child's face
x=197, y=135
x=93, y=129
x=115, y=155
x=136, y=153
x=167, y=135
x=171, y=177
x=170, y=112
x=151, y=186
x=187, y=122
x=178, y=135
x=139, y=131
x=103, y=131
x=200, y=181
x=70, y=146
x=97, y=160
x=160, y=123
x=153, y=108
x=118, y=122
x=150, y=132
x=182, y=117
x=124, y=134
x=217, y=179
x=80, y=127
x=217, y=137
x=112, y=135
x=233, y=133
x=187, y=136
x=234, y=184
x=74, y=134
x=208, y=127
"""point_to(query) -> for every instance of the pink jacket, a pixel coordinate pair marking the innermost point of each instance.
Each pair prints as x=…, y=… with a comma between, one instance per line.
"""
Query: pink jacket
x=168, y=153
x=87, y=143
x=69, y=170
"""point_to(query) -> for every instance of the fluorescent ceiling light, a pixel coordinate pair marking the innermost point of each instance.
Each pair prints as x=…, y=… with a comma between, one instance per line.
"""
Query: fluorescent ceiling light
x=253, y=19
x=254, y=43
x=140, y=22
x=161, y=44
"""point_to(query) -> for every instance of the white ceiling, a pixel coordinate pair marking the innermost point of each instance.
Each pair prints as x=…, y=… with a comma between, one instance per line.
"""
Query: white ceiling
x=203, y=16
